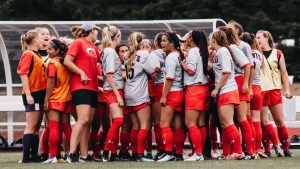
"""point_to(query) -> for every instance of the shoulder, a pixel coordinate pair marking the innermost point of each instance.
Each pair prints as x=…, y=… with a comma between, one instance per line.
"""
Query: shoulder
x=142, y=53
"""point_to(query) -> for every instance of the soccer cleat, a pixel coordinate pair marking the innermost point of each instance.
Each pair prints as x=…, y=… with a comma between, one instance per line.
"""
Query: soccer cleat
x=178, y=157
x=288, y=153
x=215, y=154
x=268, y=154
x=50, y=160
x=279, y=151
x=249, y=156
x=114, y=157
x=166, y=157
x=261, y=154
x=43, y=157
x=98, y=158
x=73, y=158
x=158, y=155
x=143, y=158
x=124, y=156
x=233, y=156
x=195, y=157
x=89, y=158
x=149, y=155
x=105, y=158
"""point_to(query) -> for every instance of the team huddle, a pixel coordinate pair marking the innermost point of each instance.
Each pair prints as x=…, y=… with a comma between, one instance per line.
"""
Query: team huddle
x=185, y=87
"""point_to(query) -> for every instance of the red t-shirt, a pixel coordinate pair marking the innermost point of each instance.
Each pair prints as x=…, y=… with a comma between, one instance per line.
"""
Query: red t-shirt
x=85, y=56
x=24, y=64
x=51, y=70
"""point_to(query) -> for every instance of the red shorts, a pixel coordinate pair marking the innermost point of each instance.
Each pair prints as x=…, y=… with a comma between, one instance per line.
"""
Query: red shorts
x=110, y=96
x=64, y=107
x=136, y=108
x=102, y=109
x=265, y=95
x=158, y=89
x=257, y=100
x=175, y=100
x=151, y=88
x=239, y=81
x=229, y=98
x=275, y=97
x=197, y=97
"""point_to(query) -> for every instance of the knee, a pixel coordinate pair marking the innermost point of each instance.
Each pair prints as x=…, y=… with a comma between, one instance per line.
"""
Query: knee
x=84, y=121
x=279, y=123
x=189, y=123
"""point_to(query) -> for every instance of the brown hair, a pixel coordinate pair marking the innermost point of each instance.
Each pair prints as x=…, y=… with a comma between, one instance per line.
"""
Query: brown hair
x=268, y=35
x=250, y=39
x=27, y=38
x=221, y=39
x=229, y=34
x=237, y=26
x=108, y=34
x=157, y=39
x=78, y=32
x=134, y=41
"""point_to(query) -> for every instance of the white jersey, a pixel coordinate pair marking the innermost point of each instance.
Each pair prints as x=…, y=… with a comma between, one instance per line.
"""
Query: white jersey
x=246, y=49
x=223, y=64
x=174, y=71
x=159, y=56
x=136, y=88
x=257, y=61
x=240, y=59
x=111, y=65
x=194, y=62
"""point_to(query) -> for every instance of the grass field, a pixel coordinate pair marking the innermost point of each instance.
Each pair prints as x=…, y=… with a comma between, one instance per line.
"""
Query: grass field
x=10, y=160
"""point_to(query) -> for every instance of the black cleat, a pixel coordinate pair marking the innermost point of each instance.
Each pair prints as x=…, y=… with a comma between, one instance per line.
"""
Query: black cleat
x=288, y=153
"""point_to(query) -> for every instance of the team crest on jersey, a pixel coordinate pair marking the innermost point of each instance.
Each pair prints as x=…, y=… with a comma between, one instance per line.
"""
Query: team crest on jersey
x=91, y=51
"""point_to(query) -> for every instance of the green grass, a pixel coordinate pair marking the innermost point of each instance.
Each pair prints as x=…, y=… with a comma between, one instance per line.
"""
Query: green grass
x=10, y=160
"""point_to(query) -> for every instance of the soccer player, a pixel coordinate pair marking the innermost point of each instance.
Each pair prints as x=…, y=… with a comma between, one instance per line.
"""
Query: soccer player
x=84, y=86
x=173, y=94
x=276, y=62
x=32, y=72
x=197, y=93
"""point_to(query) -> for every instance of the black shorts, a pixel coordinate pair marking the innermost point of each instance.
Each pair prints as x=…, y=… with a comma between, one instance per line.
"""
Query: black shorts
x=84, y=96
x=38, y=98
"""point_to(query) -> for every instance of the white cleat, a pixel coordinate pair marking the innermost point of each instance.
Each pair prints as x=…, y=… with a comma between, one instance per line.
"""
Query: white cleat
x=195, y=157
x=50, y=160
x=166, y=157
x=215, y=154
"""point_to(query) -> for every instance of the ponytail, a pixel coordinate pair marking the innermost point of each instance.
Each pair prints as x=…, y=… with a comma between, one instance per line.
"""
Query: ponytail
x=173, y=38
x=62, y=47
x=108, y=35
x=27, y=38
x=78, y=32
x=134, y=41
x=229, y=34
x=200, y=39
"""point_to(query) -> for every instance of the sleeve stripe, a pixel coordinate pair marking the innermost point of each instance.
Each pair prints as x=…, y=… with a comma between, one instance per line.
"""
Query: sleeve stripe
x=245, y=65
x=110, y=72
x=156, y=69
x=170, y=78
x=226, y=73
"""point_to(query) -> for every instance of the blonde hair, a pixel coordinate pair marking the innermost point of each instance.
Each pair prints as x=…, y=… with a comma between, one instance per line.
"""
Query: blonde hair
x=27, y=38
x=66, y=40
x=268, y=35
x=108, y=35
x=134, y=41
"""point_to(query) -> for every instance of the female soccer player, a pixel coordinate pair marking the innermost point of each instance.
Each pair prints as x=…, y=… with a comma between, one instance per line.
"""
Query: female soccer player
x=138, y=66
x=276, y=61
x=57, y=102
x=84, y=86
x=173, y=94
x=113, y=87
x=197, y=93
x=226, y=91
x=32, y=72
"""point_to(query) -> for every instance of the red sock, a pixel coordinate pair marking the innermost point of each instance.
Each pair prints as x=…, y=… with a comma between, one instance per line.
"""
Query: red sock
x=258, y=133
x=53, y=137
x=272, y=134
x=167, y=136
x=195, y=136
x=94, y=143
x=115, y=146
x=203, y=135
x=191, y=143
x=179, y=138
x=67, y=129
x=284, y=137
x=141, y=140
x=266, y=140
x=226, y=142
x=249, y=118
x=45, y=141
x=149, y=141
x=101, y=139
x=158, y=138
x=113, y=133
x=133, y=140
x=213, y=135
x=247, y=136
x=124, y=140
x=235, y=139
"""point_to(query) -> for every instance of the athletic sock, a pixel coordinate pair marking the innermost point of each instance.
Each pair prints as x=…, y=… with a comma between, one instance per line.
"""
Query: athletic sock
x=195, y=136
x=249, y=118
x=115, y=146
x=113, y=132
x=94, y=143
x=27, y=144
x=35, y=147
x=45, y=141
x=158, y=137
x=247, y=136
x=67, y=129
x=258, y=135
x=266, y=140
x=179, y=138
x=53, y=137
x=141, y=140
x=272, y=134
x=124, y=140
x=203, y=135
x=213, y=135
x=167, y=136
x=226, y=143
x=149, y=141
x=234, y=139
x=284, y=136
x=133, y=140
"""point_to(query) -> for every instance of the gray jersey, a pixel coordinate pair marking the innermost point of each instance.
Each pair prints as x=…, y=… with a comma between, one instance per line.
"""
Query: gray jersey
x=159, y=56
x=246, y=49
x=240, y=59
x=136, y=88
x=194, y=62
x=111, y=64
x=257, y=61
x=174, y=71
x=223, y=64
